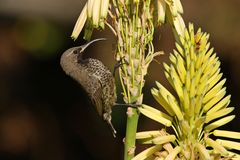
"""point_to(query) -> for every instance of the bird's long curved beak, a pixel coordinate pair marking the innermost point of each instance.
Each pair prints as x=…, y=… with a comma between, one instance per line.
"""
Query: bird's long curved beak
x=82, y=48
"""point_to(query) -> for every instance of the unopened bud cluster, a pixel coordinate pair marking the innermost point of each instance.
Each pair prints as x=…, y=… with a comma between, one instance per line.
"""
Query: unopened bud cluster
x=135, y=34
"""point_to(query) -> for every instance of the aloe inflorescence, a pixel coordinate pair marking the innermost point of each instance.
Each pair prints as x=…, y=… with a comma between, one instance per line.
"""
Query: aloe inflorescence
x=133, y=23
x=200, y=107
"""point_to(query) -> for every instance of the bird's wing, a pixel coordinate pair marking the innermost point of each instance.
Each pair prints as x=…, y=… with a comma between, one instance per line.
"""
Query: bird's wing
x=96, y=96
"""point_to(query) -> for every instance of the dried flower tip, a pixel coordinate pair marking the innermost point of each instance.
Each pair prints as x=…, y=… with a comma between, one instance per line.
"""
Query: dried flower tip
x=130, y=112
x=134, y=91
x=133, y=50
x=136, y=63
x=139, y=99
x=131, y=150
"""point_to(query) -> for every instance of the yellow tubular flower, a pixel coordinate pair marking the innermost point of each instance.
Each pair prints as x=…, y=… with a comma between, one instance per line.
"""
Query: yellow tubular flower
x=104, y=8
x=223, y=103
x=103, y=13
x=216, y=146
x=147, y=134
x=151, y=109
x=161, y=11
x=96, y=13
x=162, y=101
x=218, y=114
x=90, y=4
x=228, y=134
x=229, y=144
x=164, y=139
x=174, y=153
x=212, y=94
x=203, y=151
x=219, y=123
x=80, y=23
x=175, y=108
x=234, y=155
x=215, y=99
x=179, y=24
x=155, y=116
x=178, y=6
x=147, y=153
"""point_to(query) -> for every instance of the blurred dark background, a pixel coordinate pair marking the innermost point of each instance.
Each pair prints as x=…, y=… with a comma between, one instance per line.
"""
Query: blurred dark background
x=44, y=114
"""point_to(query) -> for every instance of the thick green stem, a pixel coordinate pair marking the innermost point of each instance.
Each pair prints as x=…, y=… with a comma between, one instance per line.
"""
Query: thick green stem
x=131, y=129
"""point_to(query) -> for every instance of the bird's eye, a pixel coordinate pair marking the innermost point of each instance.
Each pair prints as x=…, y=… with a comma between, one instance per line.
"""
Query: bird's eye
x=75, y=51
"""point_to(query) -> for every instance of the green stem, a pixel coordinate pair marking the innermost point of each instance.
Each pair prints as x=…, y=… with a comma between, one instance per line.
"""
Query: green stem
x=131, y=129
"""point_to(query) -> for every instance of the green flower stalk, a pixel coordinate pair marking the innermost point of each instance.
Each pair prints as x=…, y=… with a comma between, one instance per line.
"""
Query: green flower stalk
x=201, y=105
